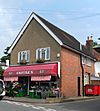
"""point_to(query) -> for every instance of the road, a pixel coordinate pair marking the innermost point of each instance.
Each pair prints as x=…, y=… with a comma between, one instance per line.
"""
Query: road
x=17, y=106
x=91, y=105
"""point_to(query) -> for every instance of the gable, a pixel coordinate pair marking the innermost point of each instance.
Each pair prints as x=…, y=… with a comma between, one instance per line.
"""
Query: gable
x=61, y=37
x=35, y=36
x=33, y=16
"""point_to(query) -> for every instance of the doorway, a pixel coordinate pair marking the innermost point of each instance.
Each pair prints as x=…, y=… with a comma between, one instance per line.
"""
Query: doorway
x=78, y=83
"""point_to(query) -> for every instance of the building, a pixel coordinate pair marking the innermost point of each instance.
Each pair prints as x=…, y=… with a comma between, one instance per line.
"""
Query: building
x=43, y=55
x=96, y=78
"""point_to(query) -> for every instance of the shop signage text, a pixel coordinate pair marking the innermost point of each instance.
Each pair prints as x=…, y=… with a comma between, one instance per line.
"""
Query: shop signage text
x=29, y=72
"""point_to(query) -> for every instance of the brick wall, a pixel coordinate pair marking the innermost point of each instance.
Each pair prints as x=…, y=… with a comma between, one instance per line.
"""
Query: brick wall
x=70, y=71
x=95, y=82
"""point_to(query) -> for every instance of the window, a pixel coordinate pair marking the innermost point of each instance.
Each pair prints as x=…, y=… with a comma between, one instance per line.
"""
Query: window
x=83, y=60
x=43, y=53
x=86, y=61
x=24, y=56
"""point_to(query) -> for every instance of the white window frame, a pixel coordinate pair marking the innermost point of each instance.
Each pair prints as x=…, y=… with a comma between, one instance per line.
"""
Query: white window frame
x=83, y=60
x=86, y=61
x=39, y=53
x=21, y=56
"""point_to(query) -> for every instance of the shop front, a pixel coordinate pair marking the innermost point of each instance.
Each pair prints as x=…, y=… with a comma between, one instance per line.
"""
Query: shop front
x=35, y=81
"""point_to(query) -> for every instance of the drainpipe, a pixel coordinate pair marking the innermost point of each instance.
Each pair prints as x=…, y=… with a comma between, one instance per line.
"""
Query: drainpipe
x=89, y=78
x=82, y=75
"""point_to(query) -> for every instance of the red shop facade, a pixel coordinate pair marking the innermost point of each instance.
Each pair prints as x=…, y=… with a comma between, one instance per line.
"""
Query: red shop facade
x=37, y=75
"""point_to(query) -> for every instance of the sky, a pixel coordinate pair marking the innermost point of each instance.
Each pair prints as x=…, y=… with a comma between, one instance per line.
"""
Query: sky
x=80, y=18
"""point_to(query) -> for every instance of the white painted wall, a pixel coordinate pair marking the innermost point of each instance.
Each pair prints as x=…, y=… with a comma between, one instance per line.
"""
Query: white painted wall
x=97, y=68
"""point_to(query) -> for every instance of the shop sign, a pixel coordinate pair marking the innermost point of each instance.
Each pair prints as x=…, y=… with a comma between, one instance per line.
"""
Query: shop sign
x=29, y=72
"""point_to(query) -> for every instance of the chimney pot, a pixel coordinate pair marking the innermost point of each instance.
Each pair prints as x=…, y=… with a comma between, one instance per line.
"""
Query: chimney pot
x=91, y=37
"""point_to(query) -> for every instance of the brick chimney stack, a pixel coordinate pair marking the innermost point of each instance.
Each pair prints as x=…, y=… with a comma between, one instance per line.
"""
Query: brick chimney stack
x=89, y=43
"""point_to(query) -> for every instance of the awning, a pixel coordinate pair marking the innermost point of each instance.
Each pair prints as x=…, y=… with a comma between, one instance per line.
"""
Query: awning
x=10, y=78
x=40, y=78
x=32, y=70
x=95, y=78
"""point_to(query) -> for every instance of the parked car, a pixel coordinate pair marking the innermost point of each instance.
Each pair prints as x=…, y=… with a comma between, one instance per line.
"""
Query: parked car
x=2, y=89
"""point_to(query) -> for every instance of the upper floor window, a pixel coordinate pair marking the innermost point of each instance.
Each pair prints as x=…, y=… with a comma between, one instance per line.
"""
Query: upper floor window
x=83, y=60
x=43, y=53
x=86, y=61
x=23, y=56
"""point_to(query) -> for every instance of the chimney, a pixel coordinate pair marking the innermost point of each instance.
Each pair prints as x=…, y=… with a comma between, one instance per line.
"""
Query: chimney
x=89, y=43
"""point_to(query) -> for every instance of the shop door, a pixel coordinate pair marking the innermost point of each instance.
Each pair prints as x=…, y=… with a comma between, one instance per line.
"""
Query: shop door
x=25, y=83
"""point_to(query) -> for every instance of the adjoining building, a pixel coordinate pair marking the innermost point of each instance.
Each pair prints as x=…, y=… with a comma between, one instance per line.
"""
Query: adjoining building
x=96, y=78
x=45, y=57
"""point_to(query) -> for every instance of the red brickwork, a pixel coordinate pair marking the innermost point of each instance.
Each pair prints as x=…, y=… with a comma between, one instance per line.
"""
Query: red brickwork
x=95, y=82
x=70, y=71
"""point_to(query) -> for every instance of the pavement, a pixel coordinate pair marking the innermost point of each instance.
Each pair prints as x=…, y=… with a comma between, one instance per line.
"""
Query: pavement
x=48, y=100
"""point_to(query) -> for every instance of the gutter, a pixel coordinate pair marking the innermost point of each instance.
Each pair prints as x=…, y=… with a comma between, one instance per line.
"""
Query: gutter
x=82, y=75
x=79, y=52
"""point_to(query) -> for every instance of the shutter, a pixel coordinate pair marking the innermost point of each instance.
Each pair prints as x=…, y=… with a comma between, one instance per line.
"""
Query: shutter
x=19, y=57
x=37, y=54
x=47, y=53
x=27, y=55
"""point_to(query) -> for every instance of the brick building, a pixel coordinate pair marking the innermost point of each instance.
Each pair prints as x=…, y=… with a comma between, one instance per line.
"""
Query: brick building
x=45, y=55
x=96, y=78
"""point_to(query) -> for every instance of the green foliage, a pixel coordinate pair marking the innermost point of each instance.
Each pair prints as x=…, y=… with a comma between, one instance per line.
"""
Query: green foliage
x=1, y=71
x=6, y=50
x=40, y=61
x=95, y=43
x=4, y=58
x=7, y=56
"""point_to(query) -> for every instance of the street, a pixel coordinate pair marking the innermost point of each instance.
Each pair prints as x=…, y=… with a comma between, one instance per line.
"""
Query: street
x=17, y=106
x=90, y=105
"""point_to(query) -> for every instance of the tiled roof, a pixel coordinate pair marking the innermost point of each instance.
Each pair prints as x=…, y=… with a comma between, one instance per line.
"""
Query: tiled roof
x=97, y=48
x=96, y=55
x=86, y=51
x=66, y=38
x=62, y=37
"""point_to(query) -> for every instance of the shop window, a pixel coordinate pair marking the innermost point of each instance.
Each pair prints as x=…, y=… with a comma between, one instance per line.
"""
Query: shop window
x=43, y=53
x=23, y=56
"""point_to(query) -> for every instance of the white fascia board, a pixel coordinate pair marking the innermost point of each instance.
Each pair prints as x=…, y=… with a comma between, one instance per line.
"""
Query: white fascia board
x=20, y=33
x=25, y=26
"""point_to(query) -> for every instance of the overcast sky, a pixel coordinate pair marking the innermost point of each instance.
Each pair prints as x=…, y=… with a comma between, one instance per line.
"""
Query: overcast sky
x=80, y=18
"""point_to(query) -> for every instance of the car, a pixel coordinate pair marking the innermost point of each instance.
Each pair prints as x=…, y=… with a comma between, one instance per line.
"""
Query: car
x=2, y=89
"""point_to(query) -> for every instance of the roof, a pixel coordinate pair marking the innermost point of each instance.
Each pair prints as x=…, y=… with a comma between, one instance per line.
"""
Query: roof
x=96, y=54
x=94, y=78
x=86, y=51
x=66, y=38
x=63, y=38
x=97, y=48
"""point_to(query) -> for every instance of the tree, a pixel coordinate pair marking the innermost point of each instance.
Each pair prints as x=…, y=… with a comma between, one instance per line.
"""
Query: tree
x=6, y=56
x=1, y=71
